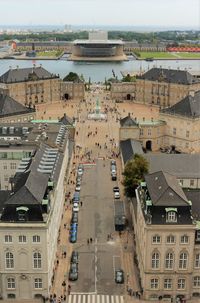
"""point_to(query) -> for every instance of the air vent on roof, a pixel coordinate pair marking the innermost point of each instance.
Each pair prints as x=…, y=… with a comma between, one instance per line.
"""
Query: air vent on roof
x=4, y=130
x=11, y=130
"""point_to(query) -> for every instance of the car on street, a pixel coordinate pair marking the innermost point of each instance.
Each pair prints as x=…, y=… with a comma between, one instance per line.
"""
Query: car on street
x=76, y=196
x=113, y=162
x=73, y=272
x=119, y=276
x=115, y=189
x=75, y=207
x=78, y=187
x=80, y=172
x=73, y=227
x=74, y=257
x=114, y=176
x=74, y=218
x=73, y=237
x=116, y=195
x=78, y=179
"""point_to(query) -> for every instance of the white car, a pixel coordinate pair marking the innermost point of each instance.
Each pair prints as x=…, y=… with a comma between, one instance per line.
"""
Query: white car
x=80, y=172
x=75, y=207
x=78, y=188
x=117, y=195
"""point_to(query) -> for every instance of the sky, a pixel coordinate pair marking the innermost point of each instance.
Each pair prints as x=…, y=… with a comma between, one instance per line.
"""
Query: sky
x=166, y=13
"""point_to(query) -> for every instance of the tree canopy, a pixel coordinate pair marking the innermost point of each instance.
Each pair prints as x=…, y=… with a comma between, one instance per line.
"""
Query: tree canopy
x=71, y=77
x=134, y=173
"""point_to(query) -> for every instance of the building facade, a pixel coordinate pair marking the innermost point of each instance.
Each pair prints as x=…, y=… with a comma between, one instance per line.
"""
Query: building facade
x=161, y=87
x=162, y=221
x=31, y=212
x=72, y=90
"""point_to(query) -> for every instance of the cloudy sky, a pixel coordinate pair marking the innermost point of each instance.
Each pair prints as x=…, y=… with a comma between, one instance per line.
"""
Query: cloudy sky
x=171, y=13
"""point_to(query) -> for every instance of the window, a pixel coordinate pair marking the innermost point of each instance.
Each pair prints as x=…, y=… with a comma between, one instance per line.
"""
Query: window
x=174, y=131
x=149, y=132
x=141, y=132
x=181, y=283
x=36, y=239
x=11, y=283
x=198, y=235
x=181, y=182
x=184, y=239
x=196, y=281
x=191, y=182
x=170, y=239
x=8, y=238
x=9, y=260
x=37, y=260
x=187, y=134
x=155, y=260
x=22, y=239
x=169, y=260
x=167, y=283
x=183, y=260
x=156, y=239
x=154, y=283
x=13, y=165
x=171, y=217
x=197, y=261
x=5, y=166
x=38, y=283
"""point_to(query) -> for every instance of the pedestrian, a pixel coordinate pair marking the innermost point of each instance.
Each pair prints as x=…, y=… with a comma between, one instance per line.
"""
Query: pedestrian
x=81, y=203
x=90, y=240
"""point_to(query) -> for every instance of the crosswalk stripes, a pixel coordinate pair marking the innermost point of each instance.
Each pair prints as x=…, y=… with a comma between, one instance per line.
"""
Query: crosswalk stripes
x=91, y=298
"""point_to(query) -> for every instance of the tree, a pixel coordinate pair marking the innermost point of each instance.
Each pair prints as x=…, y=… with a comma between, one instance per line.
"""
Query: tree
x=71, y=77
x=134, y=172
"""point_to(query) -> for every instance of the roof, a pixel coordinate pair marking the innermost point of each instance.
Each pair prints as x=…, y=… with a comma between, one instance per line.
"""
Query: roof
x=164, y=190
x=128, y=121
x=9, y=106
x=189, y=106
x=98, y=42
x=179, y=165
x=129, y=148
x=66, y=120
x=169, y=76
x=194, y=197
x=26, y=74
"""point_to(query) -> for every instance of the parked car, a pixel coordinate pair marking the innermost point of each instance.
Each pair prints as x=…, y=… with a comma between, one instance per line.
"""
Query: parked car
x=75, y=207
x=73, y=227
x=74, y=257
x=116, y=188
x=114, y=177
x=78, y=179
x=119, y=276
x=113, y=168
x=80, y=172
x=78, y=187
x=113, y=162
x=116, y=195
x=73, y=237
x=73, y=272
x=76, y=196
x=74, y=218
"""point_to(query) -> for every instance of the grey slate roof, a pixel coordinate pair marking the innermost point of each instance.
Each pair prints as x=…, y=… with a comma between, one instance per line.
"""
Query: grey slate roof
x=189, y=106
x=66, y=120
x=23, y=74
x=9, y=107
x=169, y=76
x=164, y=190
x=128, y=121
x=32, y=191
x=129, y=148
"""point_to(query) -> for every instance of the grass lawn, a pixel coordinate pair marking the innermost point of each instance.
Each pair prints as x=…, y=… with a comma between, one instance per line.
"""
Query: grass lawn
x=156, y=55
x=49, y=54
x=189, y=55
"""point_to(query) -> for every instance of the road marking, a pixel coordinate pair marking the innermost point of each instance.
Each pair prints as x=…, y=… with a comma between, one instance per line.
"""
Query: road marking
x=117, y=299
x=79, y=299
x=74, y=299
x=121, y=299
x=84, y=298
x=112, y=299
x=107, y=299
x=94, y=298
x=102, y=299
x=70, y=298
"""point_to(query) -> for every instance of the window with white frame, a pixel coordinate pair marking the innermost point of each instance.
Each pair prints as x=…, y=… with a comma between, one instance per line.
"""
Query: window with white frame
x=181, y=283
x=170, y=239
x=154, y=283
x=156, y=239
x=37, y=260
x=184, y=239
x=169, y=260
x=168, y=283
x=141, y=132
x=196, y=281
x=36, y=239
x=171, y=217
x=9, y=258
x=22, y=239
x=11, y=283
x=38, y=283
x=149, y=132
x=155, y=260
x=183, y=260
x=8, y=238
x=197, y=261
x=191, y=182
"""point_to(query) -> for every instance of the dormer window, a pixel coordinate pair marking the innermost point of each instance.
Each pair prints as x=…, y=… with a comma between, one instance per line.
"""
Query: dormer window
x=171, y=215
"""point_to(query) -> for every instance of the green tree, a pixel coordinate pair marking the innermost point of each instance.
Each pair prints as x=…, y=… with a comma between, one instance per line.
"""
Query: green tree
x=134, y=172
x=71, y=77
